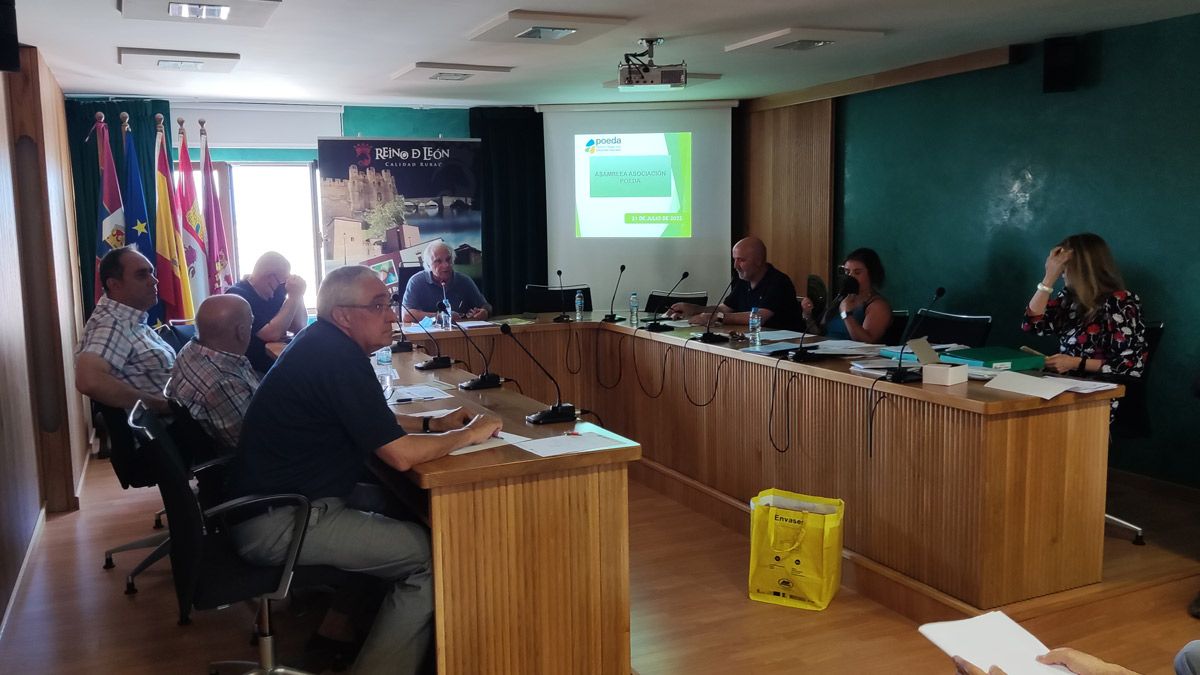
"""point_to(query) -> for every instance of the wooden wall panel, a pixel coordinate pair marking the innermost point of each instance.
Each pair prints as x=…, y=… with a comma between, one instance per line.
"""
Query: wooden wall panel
x=50, y=300
x=785, y=184
x=20, y=496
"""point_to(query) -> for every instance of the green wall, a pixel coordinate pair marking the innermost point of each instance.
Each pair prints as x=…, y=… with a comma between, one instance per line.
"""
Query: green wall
x=378, y=122
x=967, y=181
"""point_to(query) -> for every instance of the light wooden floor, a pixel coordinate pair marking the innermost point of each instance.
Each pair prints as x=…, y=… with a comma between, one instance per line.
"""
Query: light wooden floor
x=688, y=588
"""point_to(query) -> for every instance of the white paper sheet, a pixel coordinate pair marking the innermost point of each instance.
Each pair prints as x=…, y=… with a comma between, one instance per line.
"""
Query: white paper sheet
x=1083, y=386
x=431, y=413
x=475, y=324
x=1042, y=387
x=676, y=323
x=504, y=439
x=988, y=640
x=772, y=348
x=567, y=444
x=780, y=335
x=416, y=392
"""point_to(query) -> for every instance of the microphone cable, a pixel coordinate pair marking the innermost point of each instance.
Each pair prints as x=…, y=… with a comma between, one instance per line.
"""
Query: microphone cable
x=620, y=361
x=662, y=376
x=572, y=337
x=716, y=378
x=787, y=400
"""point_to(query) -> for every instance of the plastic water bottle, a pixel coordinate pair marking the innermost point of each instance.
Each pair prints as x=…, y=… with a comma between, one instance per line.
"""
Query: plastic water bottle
x=579, y=305
x=754, y=328
x=633, y=309
x=384, y=356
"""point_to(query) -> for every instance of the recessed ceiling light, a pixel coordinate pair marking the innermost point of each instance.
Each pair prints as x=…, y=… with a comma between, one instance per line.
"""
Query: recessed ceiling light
x=803, y=45
x=450, y=77
x=190, y=10
x=545, y=33
x=803, y=39
x=186, y=66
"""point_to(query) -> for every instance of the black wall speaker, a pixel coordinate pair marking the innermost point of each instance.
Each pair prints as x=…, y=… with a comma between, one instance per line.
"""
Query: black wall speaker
x=10, y=57
x=1062, y=64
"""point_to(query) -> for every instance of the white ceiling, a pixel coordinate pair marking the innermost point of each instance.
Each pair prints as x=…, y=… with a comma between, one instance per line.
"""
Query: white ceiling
x=345, y=51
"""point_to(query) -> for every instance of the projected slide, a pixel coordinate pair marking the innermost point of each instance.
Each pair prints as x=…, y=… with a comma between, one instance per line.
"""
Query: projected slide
x=633, y=185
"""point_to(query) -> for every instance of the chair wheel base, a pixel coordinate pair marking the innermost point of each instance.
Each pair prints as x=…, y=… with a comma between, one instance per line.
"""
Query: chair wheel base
x=1139, y=540
x=108, y=562
x=158, y=523
x=130, y=588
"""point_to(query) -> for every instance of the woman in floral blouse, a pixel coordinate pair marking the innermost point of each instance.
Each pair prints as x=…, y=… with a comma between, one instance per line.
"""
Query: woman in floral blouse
x=1097, y=320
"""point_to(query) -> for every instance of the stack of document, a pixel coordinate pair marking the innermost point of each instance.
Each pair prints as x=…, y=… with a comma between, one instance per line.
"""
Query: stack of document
x=878, y=367
x=845, y=348
x=1045, y=387
x=991, y=639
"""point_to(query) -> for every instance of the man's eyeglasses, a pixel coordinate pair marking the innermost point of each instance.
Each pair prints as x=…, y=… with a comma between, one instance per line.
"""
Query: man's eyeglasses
x=376, y=307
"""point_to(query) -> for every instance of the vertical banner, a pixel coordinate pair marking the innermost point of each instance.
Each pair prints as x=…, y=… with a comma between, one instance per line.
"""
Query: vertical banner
x=392, y=197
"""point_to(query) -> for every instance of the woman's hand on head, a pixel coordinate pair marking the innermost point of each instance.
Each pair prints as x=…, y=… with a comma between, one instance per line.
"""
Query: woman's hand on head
x=1056, y=262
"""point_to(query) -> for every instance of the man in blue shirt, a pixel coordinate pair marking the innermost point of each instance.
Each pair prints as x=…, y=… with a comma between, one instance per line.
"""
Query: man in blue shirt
x=426, y=289
x=276, y=298
x=315, y=419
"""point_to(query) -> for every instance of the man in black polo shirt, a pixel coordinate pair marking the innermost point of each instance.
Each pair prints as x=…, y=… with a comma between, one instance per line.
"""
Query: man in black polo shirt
x=758, y=284
x=276, y=298
x=315, y=419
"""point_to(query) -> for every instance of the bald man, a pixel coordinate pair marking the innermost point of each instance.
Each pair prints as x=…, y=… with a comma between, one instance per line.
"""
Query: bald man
x=439, y=280
x=276, y=298
x=758, y=284
x=212, y=377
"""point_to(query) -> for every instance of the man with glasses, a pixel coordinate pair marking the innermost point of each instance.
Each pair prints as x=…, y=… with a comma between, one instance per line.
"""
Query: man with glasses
x=439, y=280
x=318, y=415
x=276, y=298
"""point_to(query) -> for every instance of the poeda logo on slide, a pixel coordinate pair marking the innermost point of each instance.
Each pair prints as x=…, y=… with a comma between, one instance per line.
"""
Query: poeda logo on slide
x=612, y=143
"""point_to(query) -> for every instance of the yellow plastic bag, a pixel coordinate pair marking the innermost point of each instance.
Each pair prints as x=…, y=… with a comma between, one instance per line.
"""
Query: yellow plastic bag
x=795, y=549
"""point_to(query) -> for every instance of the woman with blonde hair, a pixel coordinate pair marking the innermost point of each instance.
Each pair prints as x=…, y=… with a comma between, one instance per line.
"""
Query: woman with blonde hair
x=1097, y=320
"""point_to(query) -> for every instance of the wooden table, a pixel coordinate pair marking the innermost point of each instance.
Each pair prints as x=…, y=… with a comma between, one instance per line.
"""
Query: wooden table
x=965, y=496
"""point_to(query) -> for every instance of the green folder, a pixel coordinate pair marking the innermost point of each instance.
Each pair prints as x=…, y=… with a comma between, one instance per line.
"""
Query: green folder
x=1001, y=358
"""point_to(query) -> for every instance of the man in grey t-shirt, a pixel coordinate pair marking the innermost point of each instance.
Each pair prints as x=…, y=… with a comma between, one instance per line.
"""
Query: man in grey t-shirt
x=439, y=280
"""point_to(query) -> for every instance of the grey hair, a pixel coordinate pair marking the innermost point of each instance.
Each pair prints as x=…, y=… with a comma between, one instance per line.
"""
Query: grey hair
x=339, y=288
x=427, y=255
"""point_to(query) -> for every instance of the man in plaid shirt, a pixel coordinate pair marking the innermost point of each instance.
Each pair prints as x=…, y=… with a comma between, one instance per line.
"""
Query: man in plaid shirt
x=121, y=359
x=212, y=377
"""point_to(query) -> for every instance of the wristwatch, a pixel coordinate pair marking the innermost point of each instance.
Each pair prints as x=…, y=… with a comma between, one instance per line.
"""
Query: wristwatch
x=425, y=425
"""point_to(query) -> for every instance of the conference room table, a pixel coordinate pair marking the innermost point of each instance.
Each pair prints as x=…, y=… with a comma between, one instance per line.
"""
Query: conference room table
x=530, y=553
x=958, y=498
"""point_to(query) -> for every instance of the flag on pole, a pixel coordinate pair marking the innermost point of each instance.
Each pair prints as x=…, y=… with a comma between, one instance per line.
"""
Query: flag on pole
x=173, y=287
x=195, y=234
x=136, y=214
x=111, y=217
x=220, y=272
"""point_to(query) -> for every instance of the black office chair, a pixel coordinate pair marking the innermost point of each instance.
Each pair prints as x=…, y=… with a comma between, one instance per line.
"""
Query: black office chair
x=1132, y=417
x=658, y=301
x=895, y=332
x=128, y=459
x=177, y=333
x=205, y=566
x=541, y=299
x=943, y=328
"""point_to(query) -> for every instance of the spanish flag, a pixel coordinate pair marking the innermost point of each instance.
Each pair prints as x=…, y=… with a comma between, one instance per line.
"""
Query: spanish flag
x=173, y=287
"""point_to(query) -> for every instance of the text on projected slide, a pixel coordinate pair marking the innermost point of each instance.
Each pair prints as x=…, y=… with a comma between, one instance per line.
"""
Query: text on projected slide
x=633, y=185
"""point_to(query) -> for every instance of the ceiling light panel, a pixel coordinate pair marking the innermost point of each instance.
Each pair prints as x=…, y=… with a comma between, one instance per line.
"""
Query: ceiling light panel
x=449, y=73
x=803, y=39
x=550, y=28
x=176, y=61
x=215, y=12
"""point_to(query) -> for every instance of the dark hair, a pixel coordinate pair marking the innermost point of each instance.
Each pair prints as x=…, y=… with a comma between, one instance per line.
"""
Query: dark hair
x=869, y=258
x=111, y=266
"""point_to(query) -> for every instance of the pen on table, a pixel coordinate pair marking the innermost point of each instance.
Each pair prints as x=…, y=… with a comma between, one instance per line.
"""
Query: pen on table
x=570, y=433
x=1030, y=350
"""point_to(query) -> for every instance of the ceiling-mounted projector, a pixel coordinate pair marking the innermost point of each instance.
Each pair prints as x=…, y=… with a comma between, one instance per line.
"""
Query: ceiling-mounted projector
x=636, y=74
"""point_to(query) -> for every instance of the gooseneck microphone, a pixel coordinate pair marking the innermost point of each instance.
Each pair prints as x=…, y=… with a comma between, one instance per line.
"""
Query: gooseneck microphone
x=709, y=337
x=436, y=362
x=900, y=373
x=403, y=346
x=611, y=317
x=485, y=380
x=562, y=298
x=654, y=326
x=559, y=412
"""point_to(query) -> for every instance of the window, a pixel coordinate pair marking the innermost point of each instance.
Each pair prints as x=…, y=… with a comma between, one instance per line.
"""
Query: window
x=273, y=211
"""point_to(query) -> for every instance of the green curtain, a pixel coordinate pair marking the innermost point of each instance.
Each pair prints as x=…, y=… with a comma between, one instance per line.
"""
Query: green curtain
x=512, y=190
x=85, y=167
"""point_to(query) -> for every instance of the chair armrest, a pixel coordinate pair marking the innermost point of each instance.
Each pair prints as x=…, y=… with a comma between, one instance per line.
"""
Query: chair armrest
x=219, y=461
x=299, y=527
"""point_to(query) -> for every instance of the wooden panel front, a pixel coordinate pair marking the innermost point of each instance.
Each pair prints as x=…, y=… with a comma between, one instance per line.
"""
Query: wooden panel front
x=532, y=574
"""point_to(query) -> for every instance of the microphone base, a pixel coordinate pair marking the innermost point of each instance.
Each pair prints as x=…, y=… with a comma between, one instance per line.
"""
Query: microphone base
x=484, y=381
x=710, y=338
x=402, y=347
x=555, y=414
x=562, y=318
x=657, y=327
x=435, y=363
x=803, y=356
x=613, y=318
x=902, y=375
